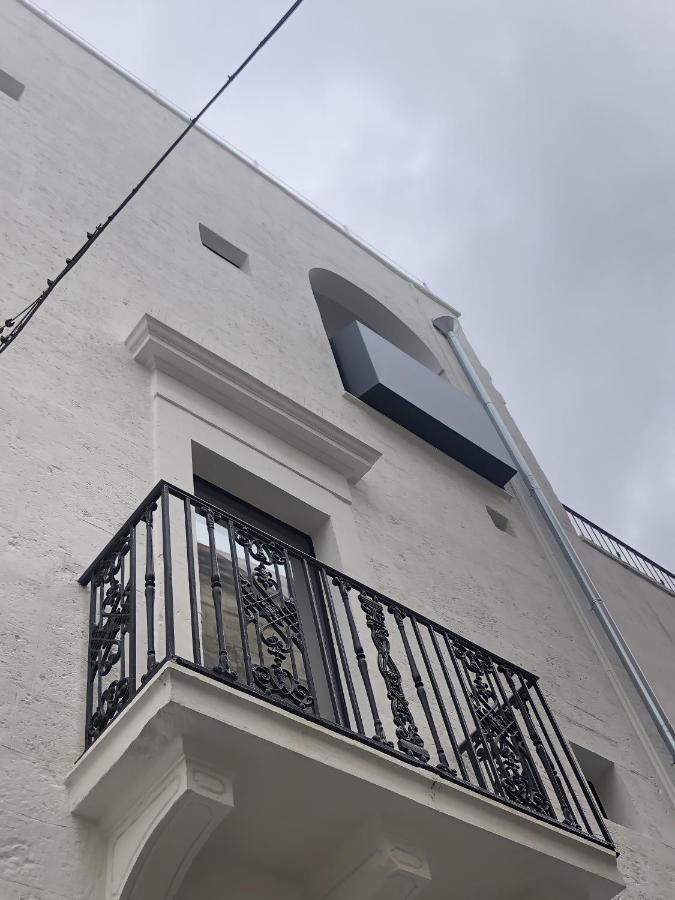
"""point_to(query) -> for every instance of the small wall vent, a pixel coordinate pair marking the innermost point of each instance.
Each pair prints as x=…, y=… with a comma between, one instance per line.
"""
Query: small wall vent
x=500, y=521
x=221, y=247
x=10, y=86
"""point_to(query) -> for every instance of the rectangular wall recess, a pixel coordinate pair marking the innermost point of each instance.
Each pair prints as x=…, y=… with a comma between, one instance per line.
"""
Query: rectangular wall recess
x=607, y=787
x=10, y=86
x=500, y=521
x=221, y=247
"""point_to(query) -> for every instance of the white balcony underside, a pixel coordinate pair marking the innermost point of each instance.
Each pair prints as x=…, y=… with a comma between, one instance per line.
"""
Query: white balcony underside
x=203, y=791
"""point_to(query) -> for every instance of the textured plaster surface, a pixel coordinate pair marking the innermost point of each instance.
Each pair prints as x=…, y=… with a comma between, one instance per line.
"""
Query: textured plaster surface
x=646, y=615
x=79, y=452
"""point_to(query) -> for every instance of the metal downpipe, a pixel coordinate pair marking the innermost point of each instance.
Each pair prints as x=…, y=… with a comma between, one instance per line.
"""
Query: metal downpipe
x=447, y=325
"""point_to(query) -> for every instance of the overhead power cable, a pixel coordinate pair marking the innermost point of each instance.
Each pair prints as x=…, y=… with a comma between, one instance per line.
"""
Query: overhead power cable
x=12, y=327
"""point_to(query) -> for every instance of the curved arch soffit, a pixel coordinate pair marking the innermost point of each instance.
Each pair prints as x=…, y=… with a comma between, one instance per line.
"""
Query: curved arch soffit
x=340, y=302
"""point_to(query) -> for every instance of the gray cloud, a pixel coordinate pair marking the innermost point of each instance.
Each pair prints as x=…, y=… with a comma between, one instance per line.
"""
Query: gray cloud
x=516, y=155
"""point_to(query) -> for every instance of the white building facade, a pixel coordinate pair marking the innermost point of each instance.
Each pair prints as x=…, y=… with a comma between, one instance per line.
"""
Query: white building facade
x=272, y=590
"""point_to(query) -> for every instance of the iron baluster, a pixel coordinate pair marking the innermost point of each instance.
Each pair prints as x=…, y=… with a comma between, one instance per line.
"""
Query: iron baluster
x=240, y=604
x=170, y=639
x=192, y=583
x=132, y=612
x=361, y=660
x=294, y=664
x=343, y=656
x=458, y=709
x=556, y=758
x=91, y=669
x=149, y=591
x=285, y=619
x=251, y=611
x=305, y=657
x=571, y=759
x=606, y=544
x=325, y=659
x=399, y=617
x=408, y=737
x=122, y=622
x=99, y=648
x=439, y=700
x=223, y=667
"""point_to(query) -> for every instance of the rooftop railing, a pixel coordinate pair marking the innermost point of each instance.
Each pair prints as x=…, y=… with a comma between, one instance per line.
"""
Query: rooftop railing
x=626, y=554
x=183, y=580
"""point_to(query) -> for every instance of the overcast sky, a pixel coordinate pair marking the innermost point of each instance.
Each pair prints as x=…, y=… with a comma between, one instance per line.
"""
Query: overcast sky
x=517, y=155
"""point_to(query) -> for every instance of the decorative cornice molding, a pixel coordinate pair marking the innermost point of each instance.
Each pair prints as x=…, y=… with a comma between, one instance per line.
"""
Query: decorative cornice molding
x=157, y=346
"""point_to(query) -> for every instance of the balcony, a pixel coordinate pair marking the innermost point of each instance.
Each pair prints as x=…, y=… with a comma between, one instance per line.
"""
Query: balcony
x=621, y=551
x=301, y=715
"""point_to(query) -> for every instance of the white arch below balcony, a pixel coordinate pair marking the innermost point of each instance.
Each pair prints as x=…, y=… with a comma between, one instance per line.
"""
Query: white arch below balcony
x=180, y=801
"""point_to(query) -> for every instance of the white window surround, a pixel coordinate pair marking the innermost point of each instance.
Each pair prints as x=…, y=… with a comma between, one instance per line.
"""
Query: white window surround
x=213, y=419
x=158, y=346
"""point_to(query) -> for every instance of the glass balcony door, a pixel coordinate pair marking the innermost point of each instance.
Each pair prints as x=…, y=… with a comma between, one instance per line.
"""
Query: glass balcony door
x=283, y=634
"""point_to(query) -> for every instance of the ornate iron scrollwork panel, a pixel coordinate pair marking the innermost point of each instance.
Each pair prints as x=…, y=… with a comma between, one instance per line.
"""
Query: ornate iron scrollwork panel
x=113, y=700
x=106, y=643
x=274, y=617
x=502, y=743
x=408, y=737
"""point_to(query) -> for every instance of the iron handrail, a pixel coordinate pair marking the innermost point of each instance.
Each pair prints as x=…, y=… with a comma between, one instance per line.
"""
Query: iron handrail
x=155, y=493
x=642, y=564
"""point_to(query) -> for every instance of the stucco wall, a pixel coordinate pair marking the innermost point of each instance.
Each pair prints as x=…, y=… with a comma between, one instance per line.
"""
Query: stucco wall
x=80, y=433
x=646, y=615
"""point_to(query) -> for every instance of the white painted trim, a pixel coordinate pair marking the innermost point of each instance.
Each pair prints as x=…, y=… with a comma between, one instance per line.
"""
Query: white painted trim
x=157, y=346
x=382, y=868
x=177, y=808
x=318, y=499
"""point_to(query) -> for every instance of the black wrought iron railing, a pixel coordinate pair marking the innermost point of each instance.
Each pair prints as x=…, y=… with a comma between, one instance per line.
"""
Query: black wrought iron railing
x=183, y=580
x=626, y=554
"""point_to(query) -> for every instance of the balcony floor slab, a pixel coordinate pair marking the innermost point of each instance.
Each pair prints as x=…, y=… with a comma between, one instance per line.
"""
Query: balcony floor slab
x=302, y=791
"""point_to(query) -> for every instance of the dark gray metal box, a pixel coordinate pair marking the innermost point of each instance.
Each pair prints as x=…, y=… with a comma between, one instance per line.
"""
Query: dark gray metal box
x=407, y=392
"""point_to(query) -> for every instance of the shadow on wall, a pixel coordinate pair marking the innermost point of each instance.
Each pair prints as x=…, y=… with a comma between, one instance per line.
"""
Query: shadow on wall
x=340, y=302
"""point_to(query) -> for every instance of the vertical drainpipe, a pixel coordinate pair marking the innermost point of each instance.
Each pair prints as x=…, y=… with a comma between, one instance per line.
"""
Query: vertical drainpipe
x=449, y=328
